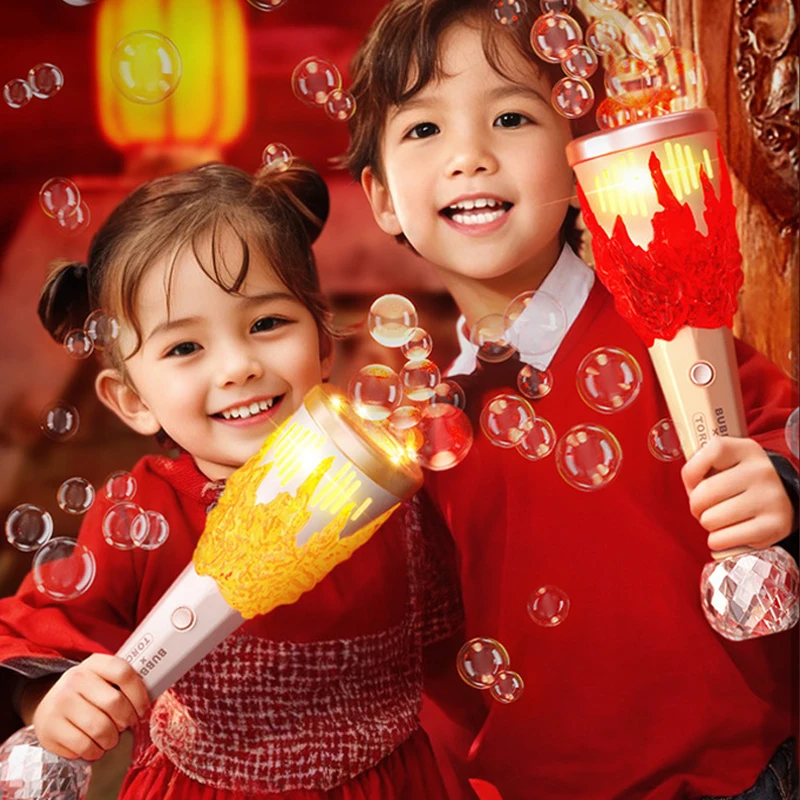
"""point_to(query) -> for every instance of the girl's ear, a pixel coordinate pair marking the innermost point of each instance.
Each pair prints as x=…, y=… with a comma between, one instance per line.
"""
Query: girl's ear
x=117, y=394
x=381, y=202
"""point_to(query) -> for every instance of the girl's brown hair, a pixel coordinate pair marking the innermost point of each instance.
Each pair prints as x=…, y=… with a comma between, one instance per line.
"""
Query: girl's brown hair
x=280, y=212
x=403, y=43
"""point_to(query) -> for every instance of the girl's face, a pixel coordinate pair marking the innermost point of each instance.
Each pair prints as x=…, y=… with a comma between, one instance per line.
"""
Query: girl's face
x=218, y=372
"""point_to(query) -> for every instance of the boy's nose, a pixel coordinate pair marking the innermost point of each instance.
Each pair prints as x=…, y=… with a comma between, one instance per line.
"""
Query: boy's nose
x=471, y=157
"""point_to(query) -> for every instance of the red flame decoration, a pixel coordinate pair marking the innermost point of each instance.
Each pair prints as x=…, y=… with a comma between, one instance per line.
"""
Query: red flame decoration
x=683, y=278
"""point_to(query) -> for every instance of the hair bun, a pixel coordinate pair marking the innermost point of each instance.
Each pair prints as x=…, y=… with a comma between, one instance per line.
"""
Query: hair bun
x=64, y=299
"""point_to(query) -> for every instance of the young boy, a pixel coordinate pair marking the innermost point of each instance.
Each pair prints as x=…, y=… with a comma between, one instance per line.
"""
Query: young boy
x=461, y=156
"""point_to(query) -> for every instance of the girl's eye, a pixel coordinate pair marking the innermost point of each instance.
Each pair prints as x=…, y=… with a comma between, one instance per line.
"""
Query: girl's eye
x=423, y=130
x=266, y=324
x=184, y=349
x=511, y=120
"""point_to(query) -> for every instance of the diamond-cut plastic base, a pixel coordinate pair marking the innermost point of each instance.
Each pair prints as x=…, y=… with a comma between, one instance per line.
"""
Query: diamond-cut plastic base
x=752, y=594
x=29, y=772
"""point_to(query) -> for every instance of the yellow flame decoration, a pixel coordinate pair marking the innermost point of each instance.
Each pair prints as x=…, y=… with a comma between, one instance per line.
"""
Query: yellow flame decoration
x=250, y=549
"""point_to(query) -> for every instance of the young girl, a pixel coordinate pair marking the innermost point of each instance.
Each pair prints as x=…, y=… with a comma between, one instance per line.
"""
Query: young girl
x=223, y=331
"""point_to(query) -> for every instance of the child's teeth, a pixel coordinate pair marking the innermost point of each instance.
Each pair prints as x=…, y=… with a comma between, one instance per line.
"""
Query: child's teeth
x=243, y=412
x=478, y=219
x=254, y=408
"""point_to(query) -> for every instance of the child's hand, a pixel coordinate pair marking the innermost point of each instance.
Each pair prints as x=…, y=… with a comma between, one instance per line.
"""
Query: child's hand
x=745, y=502
x=89, y=706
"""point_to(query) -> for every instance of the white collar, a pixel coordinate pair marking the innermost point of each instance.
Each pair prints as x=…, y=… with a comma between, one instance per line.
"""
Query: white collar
x=569, y=281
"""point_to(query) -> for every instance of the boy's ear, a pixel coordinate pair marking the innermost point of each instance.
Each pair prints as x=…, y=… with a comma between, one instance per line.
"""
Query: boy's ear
x=115, y=393
x=381, y=202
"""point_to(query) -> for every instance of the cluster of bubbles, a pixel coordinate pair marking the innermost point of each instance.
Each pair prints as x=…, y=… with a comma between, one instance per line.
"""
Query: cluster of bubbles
x=99, y=331
x=317, y=82
x=61, y=201
x=44, y=81
x=483, y=663
x=146, y=67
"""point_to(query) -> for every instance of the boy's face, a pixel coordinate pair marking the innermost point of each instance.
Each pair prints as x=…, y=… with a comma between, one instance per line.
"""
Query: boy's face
x=491, y=146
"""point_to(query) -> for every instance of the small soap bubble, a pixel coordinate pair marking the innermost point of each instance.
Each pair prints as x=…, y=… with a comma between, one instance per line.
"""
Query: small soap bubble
x=63, y=569
x=507, y=12
x=314, y=79
x=609, y=379
x=539, y=441
x=480, y=661
x=448, y=391
x=648, y=36
x=506, y=418
x=17, y=93
x=120, y=486
x=340, y=105
x=392, y=319
x=146, y=67
x=663, y=441
x=79, y=3
x=28, y=527
x=78, y=344
x=267, y=5
x=548, y=606
x=419, y=379
x=75, y=496
x=572, y=97
x=277, y=155
x=404, y=418
x=683, y=72
x=553, y=34
x=507, y=687
x=45, y=80
x=446, y=436
x=534, y=383
x=536, y=323
x=613, y=114
x=792, y=434
x=74, y=222
x=118, y=525
x=555, y=6
x=632, y=80
x=59, y=421
x=150, y=530
x=102, y=327
x=605, y=37
x=59, y=196
x=375, y=391
x=418, y=345
x=580, y=62
x=490, y=336
x=588, y=457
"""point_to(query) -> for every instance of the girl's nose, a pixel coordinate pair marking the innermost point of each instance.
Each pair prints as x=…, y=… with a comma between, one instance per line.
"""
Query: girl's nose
x=238, y=366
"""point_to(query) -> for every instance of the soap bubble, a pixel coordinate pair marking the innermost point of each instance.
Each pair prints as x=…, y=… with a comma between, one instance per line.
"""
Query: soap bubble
x=539, y=441
x=340, y=105
x=59, y=421
x=45, y=80
x=392, y=318
x=490, y=336
x=553, y=34
x=580, y=62
x=446, y=436
x=78, y=344
x=609, y=379
x=314, y=79
x=605, y=37
x=663, y=441
x=648, y=36
x=63, y=569
x=419, y=379
x=277, y=155
x=572, y=97
x=548, y=606
x=588, y=457
x=17, y=93
x=613, y=114
x=534, y=383
x=149, y=530
x=418, y=345
x=508, y=12
x=75, y=221
x=120, y=486
x=75, y=496
x=507, y=687
x=146, y=67
x=404, y=417
x=448, y=391
x=555, y=6
x=28, y=527
x=480, y=661
x=632, y=80
x=59, y=196
x=792, y=434
x=375, y=391
x=102, y=327
x=505, y=419
x=267, y=5
x=659, y=104
x=118, y=525
x=536, y=323
x=683, y=72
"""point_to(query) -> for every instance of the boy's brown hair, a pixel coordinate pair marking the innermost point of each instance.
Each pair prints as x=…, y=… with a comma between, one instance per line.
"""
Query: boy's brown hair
x=403, y=42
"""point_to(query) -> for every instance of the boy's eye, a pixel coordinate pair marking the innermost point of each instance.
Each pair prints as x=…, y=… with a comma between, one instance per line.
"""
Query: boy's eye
x=183, y=349
x=511, y=120
x=423, y=130
x=266, y=324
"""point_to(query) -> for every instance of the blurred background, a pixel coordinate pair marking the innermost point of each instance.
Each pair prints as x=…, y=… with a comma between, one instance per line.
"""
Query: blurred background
x=235, y=97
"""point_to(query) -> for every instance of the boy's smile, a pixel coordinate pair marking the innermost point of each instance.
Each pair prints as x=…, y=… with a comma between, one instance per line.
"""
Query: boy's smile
x=477, y=215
